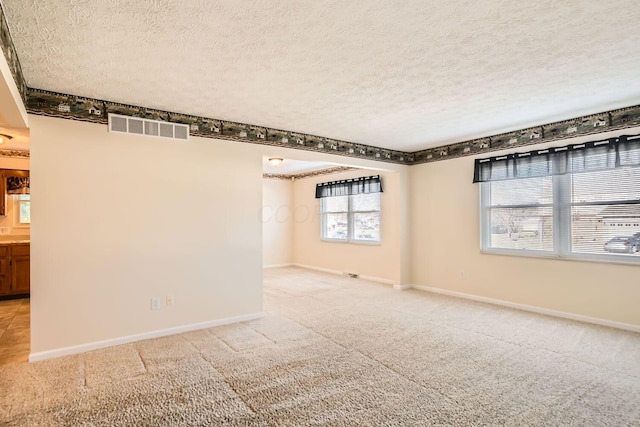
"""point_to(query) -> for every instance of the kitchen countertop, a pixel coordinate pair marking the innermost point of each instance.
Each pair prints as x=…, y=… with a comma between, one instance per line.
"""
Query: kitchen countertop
x=14, y=240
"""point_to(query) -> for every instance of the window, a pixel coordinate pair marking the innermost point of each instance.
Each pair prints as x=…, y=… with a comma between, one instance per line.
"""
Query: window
x=335, y=218
x=23, y=204
x=519, y=214
x=351, y=218
x=350, y=209
x=585, y=206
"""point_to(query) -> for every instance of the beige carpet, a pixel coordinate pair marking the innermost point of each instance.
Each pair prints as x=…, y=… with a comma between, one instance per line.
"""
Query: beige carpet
x=344, y=352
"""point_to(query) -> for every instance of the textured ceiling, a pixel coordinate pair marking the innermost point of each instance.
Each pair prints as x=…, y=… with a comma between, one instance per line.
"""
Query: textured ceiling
x=406, y=76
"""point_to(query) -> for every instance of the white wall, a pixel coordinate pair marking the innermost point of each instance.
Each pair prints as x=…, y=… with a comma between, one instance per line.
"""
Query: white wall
x=104, y=236
x=14, y=163
x=445, y=239
x=277, y=222
x=12, y=111
x=379, y=261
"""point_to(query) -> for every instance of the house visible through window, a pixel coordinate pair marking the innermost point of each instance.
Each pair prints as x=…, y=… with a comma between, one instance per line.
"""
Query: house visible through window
x=351, y=218
x=580, y=201
x=350, y=210
x=520, y=214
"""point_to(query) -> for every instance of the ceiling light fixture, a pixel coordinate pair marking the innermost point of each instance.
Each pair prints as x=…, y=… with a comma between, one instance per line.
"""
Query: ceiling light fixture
x=275, y=161
x=4, y=137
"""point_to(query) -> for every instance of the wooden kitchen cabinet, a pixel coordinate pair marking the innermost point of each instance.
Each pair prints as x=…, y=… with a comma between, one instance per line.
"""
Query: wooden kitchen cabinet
x=5, y=286
x=20, y=269
x=5, y=276
x=3, y=194
x=15, y=271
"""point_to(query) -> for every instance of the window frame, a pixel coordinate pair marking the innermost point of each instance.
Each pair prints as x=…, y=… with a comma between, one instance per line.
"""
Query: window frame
x=562, y=227
x=350, y=238
x=323, y=220
x=485, y=225
x=17, y=205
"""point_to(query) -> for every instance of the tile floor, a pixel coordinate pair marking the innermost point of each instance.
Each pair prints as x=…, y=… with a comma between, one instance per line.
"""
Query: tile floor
x=15, y=334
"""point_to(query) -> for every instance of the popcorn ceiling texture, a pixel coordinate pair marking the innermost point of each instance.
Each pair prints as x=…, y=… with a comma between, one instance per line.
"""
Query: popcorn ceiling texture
x=404, y=78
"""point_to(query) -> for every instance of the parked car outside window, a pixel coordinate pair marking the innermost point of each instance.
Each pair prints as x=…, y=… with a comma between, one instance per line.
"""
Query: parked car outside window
x=624, y=244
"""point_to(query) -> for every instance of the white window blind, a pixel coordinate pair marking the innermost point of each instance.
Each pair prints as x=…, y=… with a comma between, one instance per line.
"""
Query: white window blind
x=585, y=206
x=520, y=214
x=605, y=211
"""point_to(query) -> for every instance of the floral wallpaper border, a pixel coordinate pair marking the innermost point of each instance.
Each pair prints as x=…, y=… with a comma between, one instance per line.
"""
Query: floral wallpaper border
x=18, y=154
x=94, y=110
x=586, y=125
x=9, y=51
x=74, y=107
x=308, y=174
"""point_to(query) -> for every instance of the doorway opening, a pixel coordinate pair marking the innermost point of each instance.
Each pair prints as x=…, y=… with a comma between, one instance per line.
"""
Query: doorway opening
x=15, y=257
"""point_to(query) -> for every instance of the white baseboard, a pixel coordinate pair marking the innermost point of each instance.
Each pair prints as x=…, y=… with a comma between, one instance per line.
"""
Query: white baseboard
x=378, y=279
x=276, y=266
x=82, y=348
x=313, y=267
x=402, y=287
x=531, y=308
x=340, y=273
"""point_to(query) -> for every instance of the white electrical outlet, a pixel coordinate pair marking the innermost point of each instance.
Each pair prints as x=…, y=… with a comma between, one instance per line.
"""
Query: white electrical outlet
x=462, y=274
x=4, y=230
x=170, y=300
x=155, y=303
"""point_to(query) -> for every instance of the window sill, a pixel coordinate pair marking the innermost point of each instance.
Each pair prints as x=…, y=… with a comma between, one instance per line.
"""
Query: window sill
x=607, y=259
x=354, y=242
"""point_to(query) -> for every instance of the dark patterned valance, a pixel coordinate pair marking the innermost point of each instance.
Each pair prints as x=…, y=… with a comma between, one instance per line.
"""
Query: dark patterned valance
x=349, y=187
x=575, y=158
x=17, y=185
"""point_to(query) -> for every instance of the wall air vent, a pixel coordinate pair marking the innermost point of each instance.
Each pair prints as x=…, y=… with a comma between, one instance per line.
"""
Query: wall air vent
x=139, y=126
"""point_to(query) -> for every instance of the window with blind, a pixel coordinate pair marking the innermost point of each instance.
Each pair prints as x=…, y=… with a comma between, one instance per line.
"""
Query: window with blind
x=580, y=201
x=350, y=210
